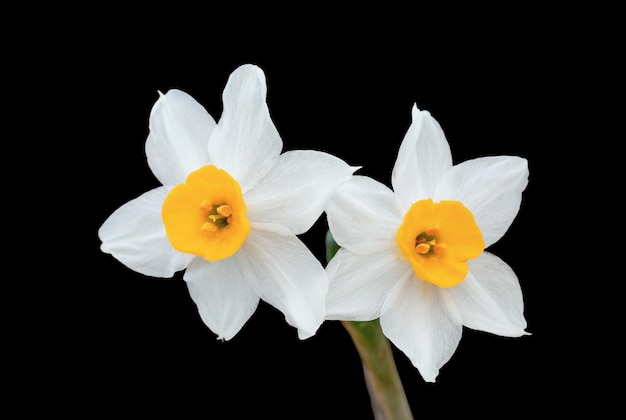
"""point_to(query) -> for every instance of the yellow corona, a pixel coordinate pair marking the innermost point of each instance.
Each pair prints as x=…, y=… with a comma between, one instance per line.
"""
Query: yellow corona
x=438, y=239
x=206, y=215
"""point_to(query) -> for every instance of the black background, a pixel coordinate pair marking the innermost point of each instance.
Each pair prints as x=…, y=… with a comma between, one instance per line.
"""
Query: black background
x=129, y=344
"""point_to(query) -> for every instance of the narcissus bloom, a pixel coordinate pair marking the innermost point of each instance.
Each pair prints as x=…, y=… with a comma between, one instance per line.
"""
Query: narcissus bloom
x=415, y=256
x=229, y=209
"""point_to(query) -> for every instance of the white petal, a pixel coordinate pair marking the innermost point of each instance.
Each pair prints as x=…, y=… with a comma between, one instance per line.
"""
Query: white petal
x=179, y=137
x=363, y=215
x=423, y=158
x=491, y=188
x=134, y=234
x=359, y=284
x=285, y=274
x=423, y=322
x=490, y=298
x=245, y=142
x=296, y=190
x=222, y=293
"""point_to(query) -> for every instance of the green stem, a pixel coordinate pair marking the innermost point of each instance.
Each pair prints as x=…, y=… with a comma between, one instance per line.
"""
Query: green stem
x=379, y=369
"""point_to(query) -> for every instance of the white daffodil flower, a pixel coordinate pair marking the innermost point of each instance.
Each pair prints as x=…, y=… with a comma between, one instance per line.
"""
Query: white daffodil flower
x=414, y=257
x=229, y=209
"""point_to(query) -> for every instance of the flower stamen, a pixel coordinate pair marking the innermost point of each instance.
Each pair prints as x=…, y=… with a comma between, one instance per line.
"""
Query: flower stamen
x=209, y=227
x=206, y=204
x=439, y=249
x=431, y=231
x=426, y=242
x=422, y=248
x=219, y=216
x=224, y=210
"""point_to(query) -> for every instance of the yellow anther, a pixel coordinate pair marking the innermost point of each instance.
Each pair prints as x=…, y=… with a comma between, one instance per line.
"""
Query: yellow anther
x=225, y=210
x=215, y=217
x=420, y=239
x=207, y=205
x=430, y=231
x=440, y=248
x=422, y=248
x=209, y=227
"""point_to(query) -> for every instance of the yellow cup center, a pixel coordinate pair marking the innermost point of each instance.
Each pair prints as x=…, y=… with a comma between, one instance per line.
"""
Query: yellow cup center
x=438, y=239
x=206, y=215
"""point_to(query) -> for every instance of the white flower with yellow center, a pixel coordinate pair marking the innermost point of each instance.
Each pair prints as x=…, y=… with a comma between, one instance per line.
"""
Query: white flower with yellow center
x=414, y=257
x=229, y=209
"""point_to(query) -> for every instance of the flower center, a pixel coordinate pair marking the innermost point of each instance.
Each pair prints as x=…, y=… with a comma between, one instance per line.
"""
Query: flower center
x=219, y=216
x=426, y=242
x=206, y=215
x=438, y=238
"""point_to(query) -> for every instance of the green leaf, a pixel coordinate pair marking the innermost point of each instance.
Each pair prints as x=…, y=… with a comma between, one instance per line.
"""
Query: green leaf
x=331, y=246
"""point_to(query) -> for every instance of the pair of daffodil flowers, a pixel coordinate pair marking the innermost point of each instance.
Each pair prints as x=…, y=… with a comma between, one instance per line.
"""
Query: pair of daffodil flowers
x=231, y=206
